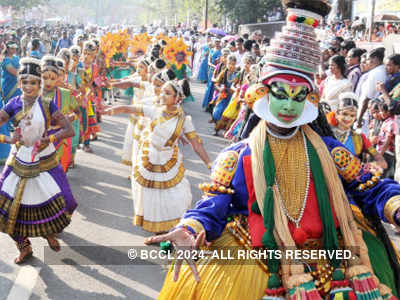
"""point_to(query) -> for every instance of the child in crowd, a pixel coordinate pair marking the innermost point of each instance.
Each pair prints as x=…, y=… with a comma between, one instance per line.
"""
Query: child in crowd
x=385, y=139
x=342, y=123
x=225, y=87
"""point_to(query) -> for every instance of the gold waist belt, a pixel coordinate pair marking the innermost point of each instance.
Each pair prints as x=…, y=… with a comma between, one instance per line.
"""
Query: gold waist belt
x=30, y=171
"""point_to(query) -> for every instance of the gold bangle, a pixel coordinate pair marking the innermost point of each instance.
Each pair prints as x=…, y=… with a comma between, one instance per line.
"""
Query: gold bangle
x=209, y=166
x=52, y=138
x=2, y=138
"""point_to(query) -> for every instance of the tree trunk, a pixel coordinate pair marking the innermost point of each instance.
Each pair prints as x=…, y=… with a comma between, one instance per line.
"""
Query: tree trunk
x=345, y=7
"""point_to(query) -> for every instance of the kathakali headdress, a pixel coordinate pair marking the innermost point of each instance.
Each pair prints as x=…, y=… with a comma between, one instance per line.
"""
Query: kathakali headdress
x=291, y=61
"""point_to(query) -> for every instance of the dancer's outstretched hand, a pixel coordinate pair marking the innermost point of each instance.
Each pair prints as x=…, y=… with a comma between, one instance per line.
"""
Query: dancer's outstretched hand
x=107, y=110
x=181, y=239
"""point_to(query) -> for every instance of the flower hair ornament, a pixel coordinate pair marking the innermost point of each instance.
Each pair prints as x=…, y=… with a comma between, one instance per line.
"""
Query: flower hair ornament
x=165, y=76
x=178, y=89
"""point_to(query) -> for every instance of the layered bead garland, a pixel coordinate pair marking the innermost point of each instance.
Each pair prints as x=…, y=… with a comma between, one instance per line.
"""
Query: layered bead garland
x=303, y=20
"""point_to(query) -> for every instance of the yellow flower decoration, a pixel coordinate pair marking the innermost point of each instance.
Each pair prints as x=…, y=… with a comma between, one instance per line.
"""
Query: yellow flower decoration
x=139, y=44
x=162, y=36
x=114, y=43
x=176, y=52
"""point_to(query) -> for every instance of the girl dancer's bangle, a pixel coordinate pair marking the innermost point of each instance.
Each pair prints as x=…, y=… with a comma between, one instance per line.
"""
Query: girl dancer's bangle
x=2, y=138
x=52, y=138
x=209, y=166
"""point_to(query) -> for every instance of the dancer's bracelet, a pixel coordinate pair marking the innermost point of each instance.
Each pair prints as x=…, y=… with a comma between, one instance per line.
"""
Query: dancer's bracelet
x=185, y=228
x=52, y=138
x=2, y=138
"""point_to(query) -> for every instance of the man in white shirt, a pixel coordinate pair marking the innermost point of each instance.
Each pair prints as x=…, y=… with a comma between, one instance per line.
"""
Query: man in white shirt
x=25, y=40
x=376, y=74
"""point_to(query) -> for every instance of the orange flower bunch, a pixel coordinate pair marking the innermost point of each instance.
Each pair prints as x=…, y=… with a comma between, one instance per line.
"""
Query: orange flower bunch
x=114, y=43
x=139, y=44
x=161, y=36
x=176, y=52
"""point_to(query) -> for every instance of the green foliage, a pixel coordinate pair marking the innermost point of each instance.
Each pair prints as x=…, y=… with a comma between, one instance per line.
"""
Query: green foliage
x=22, y=4
x=246, y=11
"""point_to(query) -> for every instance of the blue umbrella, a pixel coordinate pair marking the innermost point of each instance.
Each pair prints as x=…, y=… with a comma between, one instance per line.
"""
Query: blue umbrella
x=216, y=31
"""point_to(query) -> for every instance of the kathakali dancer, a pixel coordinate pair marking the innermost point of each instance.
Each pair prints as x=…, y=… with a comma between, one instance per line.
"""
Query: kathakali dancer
x=35, y=197
x=280, y=189
x=161, y=192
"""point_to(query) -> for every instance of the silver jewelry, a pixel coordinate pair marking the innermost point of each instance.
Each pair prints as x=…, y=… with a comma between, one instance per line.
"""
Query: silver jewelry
x=283, y=137
x=285, y=211
x=340, y=134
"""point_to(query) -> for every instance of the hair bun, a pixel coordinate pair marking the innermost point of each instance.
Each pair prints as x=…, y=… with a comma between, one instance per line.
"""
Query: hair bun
x=171, y=74
x=160, y=64
x=185, y=86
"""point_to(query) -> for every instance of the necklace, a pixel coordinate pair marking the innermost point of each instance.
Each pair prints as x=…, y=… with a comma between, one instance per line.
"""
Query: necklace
x=283, y=137
x=230, y=78
x=342, y=136
x=172, y=112
x=30, y=104
x=285, y=210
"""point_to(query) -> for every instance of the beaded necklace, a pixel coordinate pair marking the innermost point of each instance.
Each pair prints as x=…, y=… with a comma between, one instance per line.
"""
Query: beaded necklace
x=29, y=105
x=342, y=136
x=308, y=170
x=283, y=137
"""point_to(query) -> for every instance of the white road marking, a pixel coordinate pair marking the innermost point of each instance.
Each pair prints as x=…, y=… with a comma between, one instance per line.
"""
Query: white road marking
x=24, y=284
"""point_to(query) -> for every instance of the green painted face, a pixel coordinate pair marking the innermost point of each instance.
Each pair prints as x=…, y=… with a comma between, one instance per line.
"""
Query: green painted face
x=286, y=103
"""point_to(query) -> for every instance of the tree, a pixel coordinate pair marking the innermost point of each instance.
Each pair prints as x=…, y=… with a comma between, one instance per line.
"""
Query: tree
x=19, y=5
x=344, y=7
x=247, y=11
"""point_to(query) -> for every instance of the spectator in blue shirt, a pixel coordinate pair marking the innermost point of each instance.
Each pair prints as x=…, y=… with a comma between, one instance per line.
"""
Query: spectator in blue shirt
x=35, y=52
x=64, y=42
